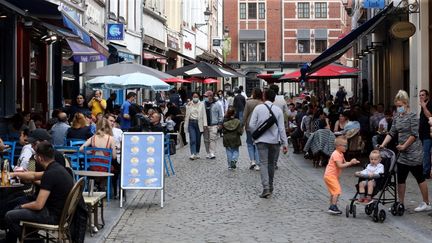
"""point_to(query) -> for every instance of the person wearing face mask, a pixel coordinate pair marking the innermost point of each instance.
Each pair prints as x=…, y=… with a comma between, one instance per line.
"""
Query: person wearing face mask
x=405, y=126
x=194, y=123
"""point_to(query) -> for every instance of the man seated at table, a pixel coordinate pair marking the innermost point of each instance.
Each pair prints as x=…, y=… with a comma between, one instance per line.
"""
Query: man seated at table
x=56, y=183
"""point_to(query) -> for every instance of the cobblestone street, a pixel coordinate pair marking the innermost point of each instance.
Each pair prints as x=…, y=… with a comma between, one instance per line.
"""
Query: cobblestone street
x=205, y=202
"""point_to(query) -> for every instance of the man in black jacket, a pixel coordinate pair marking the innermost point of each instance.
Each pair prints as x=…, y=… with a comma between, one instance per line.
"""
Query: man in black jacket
x=239, y=105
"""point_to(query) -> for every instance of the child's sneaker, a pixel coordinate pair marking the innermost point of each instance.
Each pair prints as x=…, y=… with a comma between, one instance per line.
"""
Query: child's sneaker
x=233, y=164
x=333, y=209
x=361, y=200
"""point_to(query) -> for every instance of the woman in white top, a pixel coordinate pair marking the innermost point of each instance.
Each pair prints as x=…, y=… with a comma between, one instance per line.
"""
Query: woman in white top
x=194, y=123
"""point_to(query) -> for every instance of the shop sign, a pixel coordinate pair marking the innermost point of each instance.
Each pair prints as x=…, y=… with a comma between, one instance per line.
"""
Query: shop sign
x=217, y=41
x=403, y=29
x=115, y=31
x=173, y=42
x=373, y=3
x=95, y=17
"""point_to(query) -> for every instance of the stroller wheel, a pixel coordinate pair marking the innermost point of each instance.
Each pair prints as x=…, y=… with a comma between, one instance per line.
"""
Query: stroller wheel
x=368, y=209
x=375, y=211
x=382, y=215
x=393, y=209
x=354, y=210
x=400, y=209
x=375, y=217
x=347, y=211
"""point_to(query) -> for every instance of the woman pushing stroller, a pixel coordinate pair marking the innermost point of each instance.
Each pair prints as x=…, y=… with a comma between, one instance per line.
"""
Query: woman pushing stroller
x=405, y=126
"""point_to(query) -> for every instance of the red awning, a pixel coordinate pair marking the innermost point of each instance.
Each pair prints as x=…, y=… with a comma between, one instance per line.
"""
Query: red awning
x=210, y=81
x=176, y=80
x=330, y=71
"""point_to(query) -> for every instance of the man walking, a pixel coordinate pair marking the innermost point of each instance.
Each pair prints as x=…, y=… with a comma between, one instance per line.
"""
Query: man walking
x=424, y=131
x=214, y=121
x=269, y=142
x=239, y=105
x=125, y=114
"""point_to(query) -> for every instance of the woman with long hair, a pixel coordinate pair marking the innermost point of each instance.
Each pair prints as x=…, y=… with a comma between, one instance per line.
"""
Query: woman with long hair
x=79, y=128
x=195, y=121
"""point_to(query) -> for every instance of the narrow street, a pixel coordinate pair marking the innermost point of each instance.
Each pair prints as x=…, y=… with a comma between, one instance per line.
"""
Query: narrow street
x=205, y=202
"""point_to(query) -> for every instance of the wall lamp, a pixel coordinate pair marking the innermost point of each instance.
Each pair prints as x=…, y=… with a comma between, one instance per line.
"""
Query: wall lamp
x=207, y=14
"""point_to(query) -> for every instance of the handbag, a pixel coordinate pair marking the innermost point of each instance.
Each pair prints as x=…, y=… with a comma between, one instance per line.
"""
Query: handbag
x=265, y=125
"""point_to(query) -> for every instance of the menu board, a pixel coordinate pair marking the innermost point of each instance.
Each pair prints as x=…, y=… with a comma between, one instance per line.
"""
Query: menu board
x=142, y=160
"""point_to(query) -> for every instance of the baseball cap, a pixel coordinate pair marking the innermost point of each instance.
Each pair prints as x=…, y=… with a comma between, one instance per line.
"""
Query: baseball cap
x=208, y=93
x=38, y=134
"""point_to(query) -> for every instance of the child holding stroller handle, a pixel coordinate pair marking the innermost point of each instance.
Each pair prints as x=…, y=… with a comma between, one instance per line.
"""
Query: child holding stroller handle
x=334, y=168
x=372, y=171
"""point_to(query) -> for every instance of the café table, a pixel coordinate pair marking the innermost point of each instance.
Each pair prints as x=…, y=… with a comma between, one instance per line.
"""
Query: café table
x=93, y=200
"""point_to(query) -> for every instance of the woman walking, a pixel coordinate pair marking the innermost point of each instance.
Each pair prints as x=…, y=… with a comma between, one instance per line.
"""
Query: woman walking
x=194, y=123
x=405, y=127
x=250, y=106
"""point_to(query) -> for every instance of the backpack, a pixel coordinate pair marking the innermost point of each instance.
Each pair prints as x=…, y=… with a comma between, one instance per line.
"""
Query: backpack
x=265, y=125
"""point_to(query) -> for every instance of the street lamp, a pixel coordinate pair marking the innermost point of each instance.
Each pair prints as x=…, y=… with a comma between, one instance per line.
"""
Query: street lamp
x=207, y=14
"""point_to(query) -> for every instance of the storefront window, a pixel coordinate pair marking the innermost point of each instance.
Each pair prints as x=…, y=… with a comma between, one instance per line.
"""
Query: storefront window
x=303, y=46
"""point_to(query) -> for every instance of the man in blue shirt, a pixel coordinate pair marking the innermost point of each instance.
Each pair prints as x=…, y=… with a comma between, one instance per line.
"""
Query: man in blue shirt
x=125, y=117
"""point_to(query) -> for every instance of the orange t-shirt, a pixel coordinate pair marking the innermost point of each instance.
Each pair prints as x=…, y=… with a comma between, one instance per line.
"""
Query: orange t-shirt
x=332, y=169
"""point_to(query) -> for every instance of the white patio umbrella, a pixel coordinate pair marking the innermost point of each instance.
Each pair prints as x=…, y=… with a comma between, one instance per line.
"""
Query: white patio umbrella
x=98, y=82
x=137, y=80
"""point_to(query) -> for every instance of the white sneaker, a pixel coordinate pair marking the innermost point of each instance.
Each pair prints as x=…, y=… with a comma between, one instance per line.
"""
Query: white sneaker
x=257, y=168
x=192, y=157
x=196, y=156
x=208, y=156
x=423, y=207
x=212, y=156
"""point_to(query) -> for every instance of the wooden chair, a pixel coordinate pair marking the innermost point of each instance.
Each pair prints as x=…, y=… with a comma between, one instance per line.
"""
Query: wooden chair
x=61, y=231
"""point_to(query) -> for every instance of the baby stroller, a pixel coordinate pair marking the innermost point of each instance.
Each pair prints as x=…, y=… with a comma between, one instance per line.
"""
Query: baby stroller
x=385, y=191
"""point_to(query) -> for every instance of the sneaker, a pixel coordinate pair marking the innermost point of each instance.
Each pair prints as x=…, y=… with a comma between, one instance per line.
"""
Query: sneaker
x=252, y=165
x=208, y=156
x=212, y=156
x=257, y=168
x=233, y=164
x=196, y=156
x=333, y=209
x=423, y=207
x=192, y=157
x=276, y=167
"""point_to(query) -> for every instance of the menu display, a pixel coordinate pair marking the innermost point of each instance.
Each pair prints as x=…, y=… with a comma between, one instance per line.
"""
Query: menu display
x=142, y=160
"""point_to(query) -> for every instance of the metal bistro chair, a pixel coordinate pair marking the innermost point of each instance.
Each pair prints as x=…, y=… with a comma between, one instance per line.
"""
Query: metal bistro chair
x=167, y=155
x=91, y=159
x=10, y=155
x=62, y=229
x=72, y=154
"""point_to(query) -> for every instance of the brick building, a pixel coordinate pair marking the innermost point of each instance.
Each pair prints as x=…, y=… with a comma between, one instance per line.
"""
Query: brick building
x=269, y=36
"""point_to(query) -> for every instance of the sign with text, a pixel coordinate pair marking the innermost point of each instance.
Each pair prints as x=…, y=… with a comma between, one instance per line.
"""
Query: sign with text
x=115, y=31
x=373, y=3
x=142, y=160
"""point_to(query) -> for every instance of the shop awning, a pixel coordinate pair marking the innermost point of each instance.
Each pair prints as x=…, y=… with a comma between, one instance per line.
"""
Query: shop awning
x=150, y=55
x=270, y=77
x=83, y=53
x=343, y=45
x=122, y=51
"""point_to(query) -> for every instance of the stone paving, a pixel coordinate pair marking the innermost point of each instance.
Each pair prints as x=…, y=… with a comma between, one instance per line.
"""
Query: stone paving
x=206, y=202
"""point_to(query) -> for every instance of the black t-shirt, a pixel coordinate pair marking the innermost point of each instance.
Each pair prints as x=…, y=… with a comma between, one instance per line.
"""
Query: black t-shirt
x=59, y=182
x=83, y=133
x=424, y=128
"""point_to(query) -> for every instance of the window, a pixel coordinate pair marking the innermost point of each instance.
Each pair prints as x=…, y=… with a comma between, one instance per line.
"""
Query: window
x=320, y=46
x=262, y=55
x=242, y=10
x=252, y=51
x=261, y=10
x=303, y=46
x=321, y=10
x=243, y=51
x=303, y=10
x=252, y=10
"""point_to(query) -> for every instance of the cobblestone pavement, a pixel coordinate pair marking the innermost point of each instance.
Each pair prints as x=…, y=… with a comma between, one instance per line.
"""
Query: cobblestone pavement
x=205, y=202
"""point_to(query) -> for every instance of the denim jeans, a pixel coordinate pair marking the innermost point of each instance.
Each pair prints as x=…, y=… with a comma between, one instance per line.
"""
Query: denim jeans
x=252, y=148
x=427, y=145
x=268, y=154
x=14, y=217
x=232, y=154
x=194, y=137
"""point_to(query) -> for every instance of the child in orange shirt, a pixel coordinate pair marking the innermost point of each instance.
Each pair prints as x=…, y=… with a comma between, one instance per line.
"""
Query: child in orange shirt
x=333, y=170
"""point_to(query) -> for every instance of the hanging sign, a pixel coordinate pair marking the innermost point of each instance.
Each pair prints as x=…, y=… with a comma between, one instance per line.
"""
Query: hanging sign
x=373, y=4
x=403, y=29
x=115, y=31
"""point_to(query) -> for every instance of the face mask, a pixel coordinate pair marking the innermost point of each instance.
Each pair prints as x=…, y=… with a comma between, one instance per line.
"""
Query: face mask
x=205, y=99
x=216, y=98
x=195, y=100
x=401, y=109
